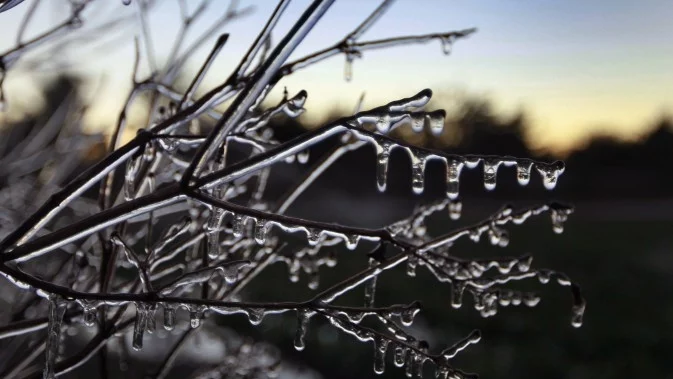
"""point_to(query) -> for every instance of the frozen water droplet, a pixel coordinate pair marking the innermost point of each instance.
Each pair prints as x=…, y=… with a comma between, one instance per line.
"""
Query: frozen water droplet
x=194, y=319
x=302, y=157
x=412, y=261
x=524, y=263
x=531, y=299
x=169, y=317
x=417, y=172
x=352, y=241
x=380, y=348
x=313, y=280
x=407, y=315
x=238, y=224
x=383, y=155
x=457, y=290
x=550, y=173
x=126, y=2
x=447, y=44
x=255, y=316
x=89, y=315
x=475, y=235
x=383, y=123
x=436, y=121
x=313, y=236
x=348, y=68
x=455, y=209
x=523, y=167
x=290, y=158
x=453, y=169
x=400, y=355
x=260, y=232
x=417, y=122
x=544, y=276
x=578, y=315
x=558, y=217
x=490, y=173
x=302, y=325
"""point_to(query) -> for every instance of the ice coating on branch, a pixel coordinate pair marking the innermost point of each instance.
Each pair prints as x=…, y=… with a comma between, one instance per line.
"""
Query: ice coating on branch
x=57, y=307
x=228, y=269
x=452, y=351
x=370, y=286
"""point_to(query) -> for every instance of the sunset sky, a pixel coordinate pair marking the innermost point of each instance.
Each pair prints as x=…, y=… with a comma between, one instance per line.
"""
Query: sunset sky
x=577, y=68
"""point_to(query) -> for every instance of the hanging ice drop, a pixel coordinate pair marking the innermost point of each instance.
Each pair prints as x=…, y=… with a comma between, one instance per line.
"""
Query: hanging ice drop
x=417, y=172
x=382, y=156
x=453, y=169
x=491, y=172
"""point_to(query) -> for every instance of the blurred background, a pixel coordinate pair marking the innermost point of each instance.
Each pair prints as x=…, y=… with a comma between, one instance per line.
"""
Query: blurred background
x=590, y=83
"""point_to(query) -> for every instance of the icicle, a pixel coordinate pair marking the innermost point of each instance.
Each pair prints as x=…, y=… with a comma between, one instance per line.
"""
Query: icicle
x=417, y=172
x=417, y=122
x=238, y=225
x=558, y=217
x=523, y=167
x=260, y=231
x=436, y=122
x=370, y=286
x=213, y=232
x=490, y=172
x=169, y=317
x=550, y=173
x=57, y=309
x=139, y=326
x=453, y=169
x=383, y=155
x=409, y=367
x=255, y=315
x=352, y=241
x=457, y=289
x=400, y=355
x=302, y=324
x=455, y=209
x=302, y=157
x=348, y=67
x=412, y=261
x=578, y=313
x=447, y=44
x=380, y=348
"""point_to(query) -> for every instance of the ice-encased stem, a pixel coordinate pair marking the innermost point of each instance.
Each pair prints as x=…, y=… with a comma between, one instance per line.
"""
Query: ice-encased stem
x=56, y=312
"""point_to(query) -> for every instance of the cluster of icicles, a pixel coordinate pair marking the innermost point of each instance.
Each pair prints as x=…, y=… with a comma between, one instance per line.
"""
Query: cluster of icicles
x=407, y=352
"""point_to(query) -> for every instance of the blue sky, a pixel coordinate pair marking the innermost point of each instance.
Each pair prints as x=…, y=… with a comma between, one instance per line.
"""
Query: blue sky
x=578, y=68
